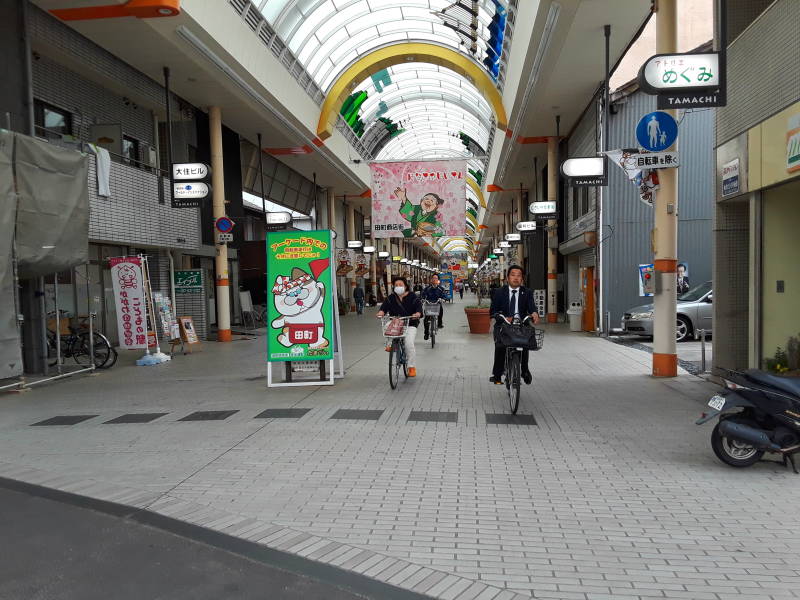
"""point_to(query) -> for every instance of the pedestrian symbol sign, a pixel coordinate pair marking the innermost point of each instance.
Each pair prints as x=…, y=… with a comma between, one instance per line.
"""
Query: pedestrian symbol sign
x=656, y=131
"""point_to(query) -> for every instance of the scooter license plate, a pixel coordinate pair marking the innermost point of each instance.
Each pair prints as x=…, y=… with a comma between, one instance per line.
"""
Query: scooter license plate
x=717, y=402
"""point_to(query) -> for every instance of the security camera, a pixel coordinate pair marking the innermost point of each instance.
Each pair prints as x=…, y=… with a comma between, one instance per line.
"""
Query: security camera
x=356, y=161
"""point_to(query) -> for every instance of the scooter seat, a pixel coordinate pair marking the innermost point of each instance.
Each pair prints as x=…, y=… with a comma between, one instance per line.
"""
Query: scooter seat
x=790, y=385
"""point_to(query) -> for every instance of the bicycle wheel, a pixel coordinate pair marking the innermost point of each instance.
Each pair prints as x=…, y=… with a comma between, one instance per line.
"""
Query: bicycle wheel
x=394, y=364
x=102, y=350
x=112, y=357
x=432, y=330
x=52, y=359
x=514, y=374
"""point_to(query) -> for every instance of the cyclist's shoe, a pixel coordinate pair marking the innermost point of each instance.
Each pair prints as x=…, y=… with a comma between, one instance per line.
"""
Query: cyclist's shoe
x=388, y=348
x=527, y=377
x=496, y=380
x=427, y=335
x=441, y=325
x=412, y=371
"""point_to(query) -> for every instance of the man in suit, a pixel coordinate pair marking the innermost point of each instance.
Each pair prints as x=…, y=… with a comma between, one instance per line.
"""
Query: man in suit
x=513, y=299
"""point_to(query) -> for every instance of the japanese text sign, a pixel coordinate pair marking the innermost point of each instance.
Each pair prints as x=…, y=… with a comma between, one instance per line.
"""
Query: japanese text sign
x=129, y=296
x=680, y=72
x=189, y=281
x=300, y=303
x=418, y=199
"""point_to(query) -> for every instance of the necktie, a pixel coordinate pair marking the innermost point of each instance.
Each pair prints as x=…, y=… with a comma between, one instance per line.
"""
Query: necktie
x=513, y=303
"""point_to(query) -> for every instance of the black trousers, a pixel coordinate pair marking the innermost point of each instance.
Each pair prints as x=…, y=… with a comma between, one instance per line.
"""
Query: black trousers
x=500, y=359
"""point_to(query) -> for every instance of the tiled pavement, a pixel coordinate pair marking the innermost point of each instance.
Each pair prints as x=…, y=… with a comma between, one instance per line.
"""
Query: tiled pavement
x=612, y=493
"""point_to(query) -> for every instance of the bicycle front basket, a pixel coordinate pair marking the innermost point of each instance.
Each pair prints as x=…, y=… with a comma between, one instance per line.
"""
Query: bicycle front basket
x=394, y=328
x=518, y=337
x=431, y=310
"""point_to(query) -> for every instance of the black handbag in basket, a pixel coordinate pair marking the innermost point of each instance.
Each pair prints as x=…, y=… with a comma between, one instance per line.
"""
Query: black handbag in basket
x=516, y=336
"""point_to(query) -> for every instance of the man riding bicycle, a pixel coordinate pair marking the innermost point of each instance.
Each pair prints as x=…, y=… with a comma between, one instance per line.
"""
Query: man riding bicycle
x=434, y=293
x=510, y=301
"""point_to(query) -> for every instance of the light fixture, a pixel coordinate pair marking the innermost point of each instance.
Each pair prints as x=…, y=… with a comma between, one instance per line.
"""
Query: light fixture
x=383, y=254
x=278, y=218
x=505, y=244
x=369, y=249
x=354, y=243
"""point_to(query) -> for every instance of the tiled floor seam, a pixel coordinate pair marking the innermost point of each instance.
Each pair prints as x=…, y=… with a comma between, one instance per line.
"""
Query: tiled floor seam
x=402, y=573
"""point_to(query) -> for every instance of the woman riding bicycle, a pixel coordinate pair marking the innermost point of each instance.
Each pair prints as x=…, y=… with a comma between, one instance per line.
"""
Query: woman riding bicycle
x=404, y=303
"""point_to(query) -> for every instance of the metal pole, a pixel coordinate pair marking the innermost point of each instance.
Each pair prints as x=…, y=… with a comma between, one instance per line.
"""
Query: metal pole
x=665, y=209
x=702, y=334
x=91, y=340
x=58, y=323
x=552, y=234
x=169, y=130
x=43, y=325
x=261, y=178
x=604, y=323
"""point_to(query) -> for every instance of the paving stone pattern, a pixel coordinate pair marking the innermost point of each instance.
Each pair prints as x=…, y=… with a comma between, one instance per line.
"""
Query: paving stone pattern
x=615, y=493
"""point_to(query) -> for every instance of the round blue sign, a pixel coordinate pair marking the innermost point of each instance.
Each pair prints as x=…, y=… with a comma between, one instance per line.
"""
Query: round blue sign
x=224, y=224
x=656, y=131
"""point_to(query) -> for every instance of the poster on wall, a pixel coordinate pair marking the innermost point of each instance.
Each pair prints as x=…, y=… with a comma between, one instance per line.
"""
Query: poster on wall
x=793, y=144
x=418, y=199
x=300, y=302
x=362, y=265
x=682, y=282
x=129, y=297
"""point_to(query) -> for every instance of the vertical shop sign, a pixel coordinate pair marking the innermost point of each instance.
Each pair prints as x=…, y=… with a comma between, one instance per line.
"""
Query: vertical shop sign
x=129, y=295
x=300, y=303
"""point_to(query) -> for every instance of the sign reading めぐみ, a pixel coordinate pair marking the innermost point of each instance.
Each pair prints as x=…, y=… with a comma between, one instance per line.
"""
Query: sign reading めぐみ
x=300, y=305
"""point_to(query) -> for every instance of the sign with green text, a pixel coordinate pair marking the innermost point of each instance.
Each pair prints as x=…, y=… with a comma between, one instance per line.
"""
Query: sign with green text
x=189, y=281
x=300, y=304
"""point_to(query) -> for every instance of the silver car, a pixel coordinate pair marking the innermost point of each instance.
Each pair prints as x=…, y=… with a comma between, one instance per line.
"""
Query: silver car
x=694, y=313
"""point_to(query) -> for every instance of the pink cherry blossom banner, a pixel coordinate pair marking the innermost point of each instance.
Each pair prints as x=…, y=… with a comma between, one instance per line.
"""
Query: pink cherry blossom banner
x=419, y=198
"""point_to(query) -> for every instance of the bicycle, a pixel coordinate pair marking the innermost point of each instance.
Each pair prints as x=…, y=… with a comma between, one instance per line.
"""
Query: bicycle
x=430, y=311
x=515, y=339
x=75, y=345
x=394, y=328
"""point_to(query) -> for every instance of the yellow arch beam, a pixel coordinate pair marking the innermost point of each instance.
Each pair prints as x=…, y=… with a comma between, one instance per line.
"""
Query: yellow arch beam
x=476, y=188
x=388, y=56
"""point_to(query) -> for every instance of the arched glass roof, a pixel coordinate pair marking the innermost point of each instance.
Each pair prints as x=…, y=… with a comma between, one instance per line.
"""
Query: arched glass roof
x=327, y=35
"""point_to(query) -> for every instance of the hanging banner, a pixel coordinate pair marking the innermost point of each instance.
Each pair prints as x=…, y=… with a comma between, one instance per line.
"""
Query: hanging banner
x=344, y=262
x=416, y=199
x=362, y=265
x=129, y=296
x=300, y=304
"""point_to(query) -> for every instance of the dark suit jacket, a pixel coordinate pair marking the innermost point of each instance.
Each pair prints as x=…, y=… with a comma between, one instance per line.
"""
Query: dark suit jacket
x=500, y=302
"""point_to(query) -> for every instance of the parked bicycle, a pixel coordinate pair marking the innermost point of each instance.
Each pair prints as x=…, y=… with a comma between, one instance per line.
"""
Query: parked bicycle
x=394, y=329
x=517, y=337
x=75, y=344
x=430, y=311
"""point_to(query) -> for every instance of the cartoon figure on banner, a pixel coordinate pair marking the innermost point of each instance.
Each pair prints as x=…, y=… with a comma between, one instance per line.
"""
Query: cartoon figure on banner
x=362, y=265
x=127, y=276
x=647, y=182
x=344, y=260
x=423, y=218
x=298, y=298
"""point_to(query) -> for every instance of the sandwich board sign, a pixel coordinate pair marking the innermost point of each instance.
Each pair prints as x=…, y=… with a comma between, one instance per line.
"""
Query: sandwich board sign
x=301, y=320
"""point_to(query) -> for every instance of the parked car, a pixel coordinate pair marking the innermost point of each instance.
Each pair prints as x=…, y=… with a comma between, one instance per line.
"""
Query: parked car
x=694, y=313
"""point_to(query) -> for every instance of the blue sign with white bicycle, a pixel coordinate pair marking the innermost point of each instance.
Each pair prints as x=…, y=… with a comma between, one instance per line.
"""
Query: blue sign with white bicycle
x=656, y=131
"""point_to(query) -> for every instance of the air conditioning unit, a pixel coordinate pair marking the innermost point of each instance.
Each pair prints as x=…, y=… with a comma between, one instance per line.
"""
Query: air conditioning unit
x=150, y=156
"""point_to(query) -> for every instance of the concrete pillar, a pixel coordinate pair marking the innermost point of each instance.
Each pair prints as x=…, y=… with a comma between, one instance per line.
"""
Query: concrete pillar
x=223, y=302
x=665, y=209
x=552, y=231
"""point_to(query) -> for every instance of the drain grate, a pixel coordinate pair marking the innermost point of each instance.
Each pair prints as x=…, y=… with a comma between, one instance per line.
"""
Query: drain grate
x=65, y=420
x=209, y=415
x=506, y=419
x=427, y=416
x=135, y=418
x=357, y=414
x=282, y=413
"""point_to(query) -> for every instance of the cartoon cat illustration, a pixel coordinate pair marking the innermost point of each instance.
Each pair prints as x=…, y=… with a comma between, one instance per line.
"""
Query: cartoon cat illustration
x=299, y=298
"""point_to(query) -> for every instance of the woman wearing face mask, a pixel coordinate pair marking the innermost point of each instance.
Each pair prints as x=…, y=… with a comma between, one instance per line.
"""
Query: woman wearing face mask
x=404, y=303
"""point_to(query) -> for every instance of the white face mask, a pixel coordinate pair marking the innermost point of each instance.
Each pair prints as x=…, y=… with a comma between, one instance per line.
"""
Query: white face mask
x=399, y=289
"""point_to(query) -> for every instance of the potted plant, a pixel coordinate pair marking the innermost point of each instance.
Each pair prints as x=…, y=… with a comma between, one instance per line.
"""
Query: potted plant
x=478, y=316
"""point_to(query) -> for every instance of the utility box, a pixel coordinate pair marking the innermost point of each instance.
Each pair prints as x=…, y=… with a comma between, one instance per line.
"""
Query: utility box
x=575, y=314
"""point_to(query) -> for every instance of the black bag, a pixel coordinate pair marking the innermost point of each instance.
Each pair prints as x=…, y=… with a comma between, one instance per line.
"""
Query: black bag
x=517, y=336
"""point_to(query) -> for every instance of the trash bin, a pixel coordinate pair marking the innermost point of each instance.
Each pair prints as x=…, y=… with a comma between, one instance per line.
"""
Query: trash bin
x=575, y=313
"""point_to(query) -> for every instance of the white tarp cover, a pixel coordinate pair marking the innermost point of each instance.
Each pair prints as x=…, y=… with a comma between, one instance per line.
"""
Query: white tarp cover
x=53, y=207
x=10, y=353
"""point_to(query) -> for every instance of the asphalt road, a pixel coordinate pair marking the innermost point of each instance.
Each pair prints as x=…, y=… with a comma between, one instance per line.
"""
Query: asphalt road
x=689, y=352
x=53, y=549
